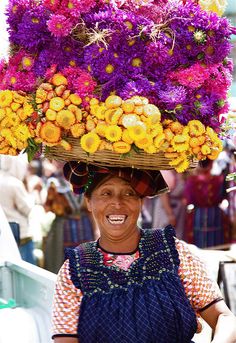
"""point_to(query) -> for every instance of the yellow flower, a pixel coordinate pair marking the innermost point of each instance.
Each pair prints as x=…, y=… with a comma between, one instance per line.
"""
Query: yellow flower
x=152, y=110
x=113, y=101
x=169, y=135
x=2, y=113
x=66, y=145
x=126, y=137
x=77, y=130
x=112, y=116
x=205, y=149
x=99, y=111
x=13, y=151
x=182, y=166
x=214, y=154
x=28, y=109
x=65, y=119
x=129, y=120
x=159, y=140
x=6, y=97
x=101, y=129
x=113, y=133
x=20, y=99
x=211, y=133
x=75, y=99
x=56, y=104
x=127, y=106
x=180, y=143
x=155, y=130
x=6, y=132
x=41, y=95
x=150, y=149
x=176, y=127
x=144, y=142
x=58, y=79
x=14, y=120
x=137, y=132
x=90, y=142
x=22, y=132
x=180, y=163
x=121, y=147
x=196, y=128
x=194, y=142
x=50, y=133
x=104, y=145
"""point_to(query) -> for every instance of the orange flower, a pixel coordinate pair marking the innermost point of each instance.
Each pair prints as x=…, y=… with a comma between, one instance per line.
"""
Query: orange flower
x=50, y=132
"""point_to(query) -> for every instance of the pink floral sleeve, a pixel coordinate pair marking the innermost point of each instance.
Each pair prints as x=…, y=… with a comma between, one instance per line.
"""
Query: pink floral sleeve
x=199, y=288
x=66, y=304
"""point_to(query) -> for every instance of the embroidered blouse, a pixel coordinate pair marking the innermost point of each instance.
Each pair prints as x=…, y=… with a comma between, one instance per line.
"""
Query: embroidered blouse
x=199, y=288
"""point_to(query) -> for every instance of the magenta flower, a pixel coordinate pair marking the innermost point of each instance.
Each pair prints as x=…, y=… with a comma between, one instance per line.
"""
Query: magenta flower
x=192, y=77
x=59, y=25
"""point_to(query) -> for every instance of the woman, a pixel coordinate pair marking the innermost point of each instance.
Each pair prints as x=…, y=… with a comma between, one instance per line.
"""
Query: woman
x=207, y=224
x=16, y=201
x=132, y=285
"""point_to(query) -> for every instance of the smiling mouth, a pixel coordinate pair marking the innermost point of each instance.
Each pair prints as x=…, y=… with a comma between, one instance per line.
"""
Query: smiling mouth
x=116, y=219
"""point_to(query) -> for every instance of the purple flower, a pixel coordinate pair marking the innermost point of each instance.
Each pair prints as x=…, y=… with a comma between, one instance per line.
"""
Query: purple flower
x=32, y=32
x=172, y=96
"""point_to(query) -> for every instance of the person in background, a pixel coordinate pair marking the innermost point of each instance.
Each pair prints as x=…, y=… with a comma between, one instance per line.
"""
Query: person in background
x=207, y=224
x=132, y=284
x=72, y=224
x=16, y=202
x=8, y=248
x=170, y=208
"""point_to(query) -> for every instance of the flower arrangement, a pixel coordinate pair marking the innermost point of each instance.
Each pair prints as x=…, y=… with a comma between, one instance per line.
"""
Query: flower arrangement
x=150, y=75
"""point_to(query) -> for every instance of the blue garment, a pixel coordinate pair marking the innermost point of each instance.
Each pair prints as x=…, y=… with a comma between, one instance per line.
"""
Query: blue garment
x=145, y=304
x=27, y=252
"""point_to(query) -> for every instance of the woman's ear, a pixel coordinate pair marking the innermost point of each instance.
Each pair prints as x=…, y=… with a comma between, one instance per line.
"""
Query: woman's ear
x=87, y=202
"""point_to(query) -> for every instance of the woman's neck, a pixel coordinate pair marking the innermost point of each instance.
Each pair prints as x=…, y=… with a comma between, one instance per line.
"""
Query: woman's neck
x=122, y=245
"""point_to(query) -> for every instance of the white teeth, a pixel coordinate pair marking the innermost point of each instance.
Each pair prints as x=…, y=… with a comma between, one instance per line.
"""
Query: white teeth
x=116, y=219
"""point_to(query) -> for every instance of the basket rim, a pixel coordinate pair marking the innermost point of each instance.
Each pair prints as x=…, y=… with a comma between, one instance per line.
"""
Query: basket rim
x=139, y=160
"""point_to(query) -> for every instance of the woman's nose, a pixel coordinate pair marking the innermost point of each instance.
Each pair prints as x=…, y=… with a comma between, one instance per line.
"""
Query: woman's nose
x=117, y=200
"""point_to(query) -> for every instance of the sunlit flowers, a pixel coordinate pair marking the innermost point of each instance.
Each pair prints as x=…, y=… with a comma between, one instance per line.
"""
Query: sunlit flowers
x=90, y=142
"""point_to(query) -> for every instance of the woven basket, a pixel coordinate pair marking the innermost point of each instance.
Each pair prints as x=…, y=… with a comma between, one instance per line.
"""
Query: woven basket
x=141, y=160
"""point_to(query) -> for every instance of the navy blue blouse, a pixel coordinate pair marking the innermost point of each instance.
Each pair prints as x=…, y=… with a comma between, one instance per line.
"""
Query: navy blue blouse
x=144, y=304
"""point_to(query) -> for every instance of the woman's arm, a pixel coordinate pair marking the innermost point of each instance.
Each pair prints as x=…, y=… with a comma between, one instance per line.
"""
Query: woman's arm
x=66, y=340
x=222, y=321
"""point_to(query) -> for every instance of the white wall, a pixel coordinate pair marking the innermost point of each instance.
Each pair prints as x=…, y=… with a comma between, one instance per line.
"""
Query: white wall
x=3, y=30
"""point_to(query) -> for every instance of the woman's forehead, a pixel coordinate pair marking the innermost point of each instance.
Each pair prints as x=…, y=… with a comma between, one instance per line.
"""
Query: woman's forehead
x=111, y=180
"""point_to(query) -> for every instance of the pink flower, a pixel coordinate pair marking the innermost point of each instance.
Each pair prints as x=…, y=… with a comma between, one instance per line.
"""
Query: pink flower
x=59, y=25
x=52, y=5
x=73, y=8
x=50, y=71
x=123, y=261
x=22, y=60
x=79, y=81
x=192, y=77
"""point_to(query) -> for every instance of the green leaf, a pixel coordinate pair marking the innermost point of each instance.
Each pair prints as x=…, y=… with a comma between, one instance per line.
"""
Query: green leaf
x=31, y=149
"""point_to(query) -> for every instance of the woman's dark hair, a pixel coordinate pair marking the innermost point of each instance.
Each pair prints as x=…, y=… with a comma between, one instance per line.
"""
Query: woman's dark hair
x=205, y=163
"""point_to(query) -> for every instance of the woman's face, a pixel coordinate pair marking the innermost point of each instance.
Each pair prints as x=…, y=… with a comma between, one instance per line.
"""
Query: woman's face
x=115, y=207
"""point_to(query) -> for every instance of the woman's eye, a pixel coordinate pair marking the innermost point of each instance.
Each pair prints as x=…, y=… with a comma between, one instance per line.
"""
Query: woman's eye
x=130, y=193
x=106, y=193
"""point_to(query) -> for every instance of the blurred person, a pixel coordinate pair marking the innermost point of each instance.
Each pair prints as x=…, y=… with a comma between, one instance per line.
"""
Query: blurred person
x=72, y=224
x=170, y=208
x=207, y=224
x=16, y=202
x=34, y=182
x=232, y=197
x=8, y=247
